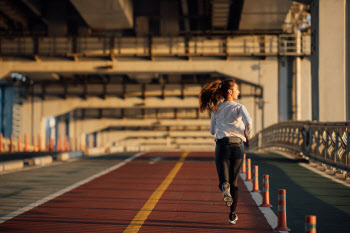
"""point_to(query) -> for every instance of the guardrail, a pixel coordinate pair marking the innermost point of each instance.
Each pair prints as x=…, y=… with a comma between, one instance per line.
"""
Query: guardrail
x=252, y=45
x=325, y=143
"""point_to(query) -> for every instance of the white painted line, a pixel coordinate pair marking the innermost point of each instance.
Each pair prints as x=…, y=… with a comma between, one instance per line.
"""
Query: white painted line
x=154, y=160
x=266, y=211
x=67, y=189
x=313, y=169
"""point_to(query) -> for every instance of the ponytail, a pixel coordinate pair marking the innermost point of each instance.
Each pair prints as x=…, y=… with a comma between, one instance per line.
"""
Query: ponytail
x=212, y=94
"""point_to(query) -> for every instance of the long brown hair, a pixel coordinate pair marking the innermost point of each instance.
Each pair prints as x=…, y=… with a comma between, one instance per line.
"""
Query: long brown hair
x=212, y=93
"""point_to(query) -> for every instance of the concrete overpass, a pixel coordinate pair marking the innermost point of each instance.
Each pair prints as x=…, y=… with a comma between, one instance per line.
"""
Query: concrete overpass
x=156, y=62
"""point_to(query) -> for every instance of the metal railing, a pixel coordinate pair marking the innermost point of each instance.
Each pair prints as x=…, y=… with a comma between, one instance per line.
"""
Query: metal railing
x=254, y=45
x=325, y=143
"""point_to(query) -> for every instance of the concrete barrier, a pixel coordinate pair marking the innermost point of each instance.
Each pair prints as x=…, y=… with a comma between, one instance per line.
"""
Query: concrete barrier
x=11, y=165
x=63, y=156
x=132, y=148
x=114, y=149
x=40, y=161
x=95, y=151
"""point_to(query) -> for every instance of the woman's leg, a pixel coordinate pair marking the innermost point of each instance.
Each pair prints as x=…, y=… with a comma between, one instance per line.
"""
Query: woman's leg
x=236, y=165
x=222, y=162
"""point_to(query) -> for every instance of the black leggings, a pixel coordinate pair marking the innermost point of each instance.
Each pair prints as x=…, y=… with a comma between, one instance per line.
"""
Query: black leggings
x=228, y=159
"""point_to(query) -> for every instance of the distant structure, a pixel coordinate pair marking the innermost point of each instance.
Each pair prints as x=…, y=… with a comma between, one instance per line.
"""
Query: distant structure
x=127, y=73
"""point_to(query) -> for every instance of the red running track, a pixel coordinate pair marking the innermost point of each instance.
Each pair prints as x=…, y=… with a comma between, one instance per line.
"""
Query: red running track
x=191, y=203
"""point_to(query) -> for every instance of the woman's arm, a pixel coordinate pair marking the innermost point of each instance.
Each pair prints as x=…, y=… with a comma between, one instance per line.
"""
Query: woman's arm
x=212, y=124
x=247, y=121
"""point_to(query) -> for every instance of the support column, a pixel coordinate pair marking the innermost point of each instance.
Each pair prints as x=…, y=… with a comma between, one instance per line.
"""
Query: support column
x=329, y=60
x=298, y=79
x=348, y=60
x=283, y=89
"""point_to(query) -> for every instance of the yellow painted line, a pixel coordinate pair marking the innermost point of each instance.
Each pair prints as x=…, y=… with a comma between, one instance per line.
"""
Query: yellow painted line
x=142, y=215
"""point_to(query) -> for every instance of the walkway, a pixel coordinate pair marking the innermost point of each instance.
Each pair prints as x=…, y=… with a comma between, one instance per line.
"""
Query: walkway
x=184, y=192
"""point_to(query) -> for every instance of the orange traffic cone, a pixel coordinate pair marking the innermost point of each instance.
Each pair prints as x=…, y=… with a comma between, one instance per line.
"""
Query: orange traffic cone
x=282, y=211
x=1, y=143
x=25, y=142
x=11, y=143
x=19, y=149
x=47, y=146
x=39, y=143
x=310, y=224
x=249, y=173
x=51, y=144
x=244, y=170
x=66, y=144
x=255, y=180
x=266, y=192
x=58, y=143
x=33, y=143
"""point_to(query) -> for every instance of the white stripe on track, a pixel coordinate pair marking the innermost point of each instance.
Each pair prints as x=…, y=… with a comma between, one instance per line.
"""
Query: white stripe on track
x=67, y=189
x=266, y=211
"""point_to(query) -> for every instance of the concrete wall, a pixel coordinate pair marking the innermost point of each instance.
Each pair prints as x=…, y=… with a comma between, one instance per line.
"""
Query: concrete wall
x=332, y=61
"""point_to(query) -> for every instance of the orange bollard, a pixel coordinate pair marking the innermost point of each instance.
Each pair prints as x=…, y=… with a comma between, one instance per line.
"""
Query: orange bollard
x=34, y=147
x=39, y=143
x=66, y=144
x=282, y=211
x=51, y=144
x=11, y=143
x=19, y=149
x=47, y=146
x=1, y=143
x=58, y=143
x=310, y=224
x=249, y=173
x=26, y=142
x=244, y=170
x=266, y=192
x=255, y=180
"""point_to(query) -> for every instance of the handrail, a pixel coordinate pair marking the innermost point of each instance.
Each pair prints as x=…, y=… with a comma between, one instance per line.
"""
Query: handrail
x=325, y=142
x=254, y=45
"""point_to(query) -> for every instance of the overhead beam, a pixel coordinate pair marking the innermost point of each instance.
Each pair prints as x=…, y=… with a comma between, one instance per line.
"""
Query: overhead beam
x=106, y=14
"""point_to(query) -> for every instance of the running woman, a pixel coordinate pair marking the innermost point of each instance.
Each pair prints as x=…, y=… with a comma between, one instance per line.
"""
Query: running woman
x=231, y=123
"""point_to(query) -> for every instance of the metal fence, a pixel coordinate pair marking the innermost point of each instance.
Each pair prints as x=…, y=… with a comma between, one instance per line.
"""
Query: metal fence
x=325, y=143
x=252, y=45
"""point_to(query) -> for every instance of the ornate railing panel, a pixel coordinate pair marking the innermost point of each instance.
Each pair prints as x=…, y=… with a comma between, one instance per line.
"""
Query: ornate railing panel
x=327, y=143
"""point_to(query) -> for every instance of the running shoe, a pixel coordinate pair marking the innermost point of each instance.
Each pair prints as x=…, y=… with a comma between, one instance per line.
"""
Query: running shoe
x=226, y=193
x=232, y=219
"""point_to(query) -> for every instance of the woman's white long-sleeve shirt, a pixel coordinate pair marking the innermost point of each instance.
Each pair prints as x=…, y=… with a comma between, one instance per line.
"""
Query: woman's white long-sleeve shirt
x=231, y=120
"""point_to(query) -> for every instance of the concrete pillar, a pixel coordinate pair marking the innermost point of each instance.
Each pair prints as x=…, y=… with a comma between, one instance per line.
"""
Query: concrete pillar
x=269, y=80
x=348, y=60
x=329, y=81
x=305, y=90
x=283, y=89
x=298, y=79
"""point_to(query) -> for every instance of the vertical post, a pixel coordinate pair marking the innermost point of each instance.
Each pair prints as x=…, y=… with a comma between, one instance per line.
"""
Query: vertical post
x=266, y=192
x=315, y=59
x=1, y=143
x=39, y=143
x=255, y=180
x=244, y=168
x=249, y=174
x=310, y=224
x=11, y=144
x=282, y=211
x=19, y=149
x=26, y=142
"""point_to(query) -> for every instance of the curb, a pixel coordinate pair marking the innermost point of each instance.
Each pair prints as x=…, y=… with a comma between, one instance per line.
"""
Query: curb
x=38, y=161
